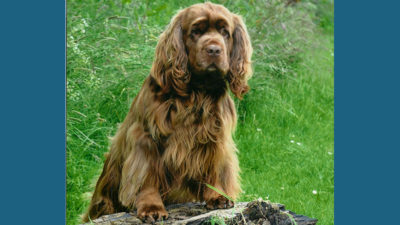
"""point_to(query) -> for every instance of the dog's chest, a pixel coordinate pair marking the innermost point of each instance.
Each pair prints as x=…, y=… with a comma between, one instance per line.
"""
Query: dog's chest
x=197, y=126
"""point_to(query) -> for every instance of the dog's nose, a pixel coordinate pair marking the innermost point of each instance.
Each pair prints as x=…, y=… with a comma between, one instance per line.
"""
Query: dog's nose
x=213, y=50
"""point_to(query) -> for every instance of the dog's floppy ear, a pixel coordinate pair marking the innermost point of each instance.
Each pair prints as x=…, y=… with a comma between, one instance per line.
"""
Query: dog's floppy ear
x=170, y=63
x=240, y=60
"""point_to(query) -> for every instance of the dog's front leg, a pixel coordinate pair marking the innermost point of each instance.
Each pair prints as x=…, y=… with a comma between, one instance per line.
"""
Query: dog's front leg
x=149, y=204
x=140, y=182
x=214, y=200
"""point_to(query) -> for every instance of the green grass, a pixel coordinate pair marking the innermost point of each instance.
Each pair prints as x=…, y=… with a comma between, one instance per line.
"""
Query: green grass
x=215, y=220
x=285, y=125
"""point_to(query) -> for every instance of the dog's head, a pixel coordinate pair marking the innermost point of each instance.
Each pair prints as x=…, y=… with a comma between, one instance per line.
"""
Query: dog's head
x=206, y=41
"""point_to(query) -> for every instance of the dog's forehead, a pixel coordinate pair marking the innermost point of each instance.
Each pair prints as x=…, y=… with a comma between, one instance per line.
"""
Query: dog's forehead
x=206, y=11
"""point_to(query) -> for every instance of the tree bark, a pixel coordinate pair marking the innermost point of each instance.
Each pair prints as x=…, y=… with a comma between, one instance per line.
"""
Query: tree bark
x=250, y=213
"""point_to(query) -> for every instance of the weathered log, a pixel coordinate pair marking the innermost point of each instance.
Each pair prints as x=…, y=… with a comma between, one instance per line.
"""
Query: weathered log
x=256, y=212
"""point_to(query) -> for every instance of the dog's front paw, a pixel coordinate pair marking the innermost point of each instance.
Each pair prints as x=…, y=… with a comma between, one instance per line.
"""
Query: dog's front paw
x=219, y=203
x=152, y=213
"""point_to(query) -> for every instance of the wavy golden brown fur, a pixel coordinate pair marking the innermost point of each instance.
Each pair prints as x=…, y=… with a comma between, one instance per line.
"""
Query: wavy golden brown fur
x=177, y=135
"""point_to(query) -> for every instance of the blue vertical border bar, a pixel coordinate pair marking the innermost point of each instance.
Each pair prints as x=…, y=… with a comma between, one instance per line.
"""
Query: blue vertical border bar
x=32, y=112
x=367, y=112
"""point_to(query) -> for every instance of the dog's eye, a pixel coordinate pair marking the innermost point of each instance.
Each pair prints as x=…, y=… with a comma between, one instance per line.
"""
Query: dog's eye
x=225, y=33
x=196, y=31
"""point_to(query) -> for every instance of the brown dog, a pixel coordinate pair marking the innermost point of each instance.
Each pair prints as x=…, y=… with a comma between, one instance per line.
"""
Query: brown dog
x=177, y=135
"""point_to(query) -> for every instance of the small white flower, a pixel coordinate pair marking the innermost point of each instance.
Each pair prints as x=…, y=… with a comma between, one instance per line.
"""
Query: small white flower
x=298, y=143
x=282, y=188
x=84, y=23
x=314, y=192
x=330, y=153
x=291, y=141
x=283, y=26
x=259, y=129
